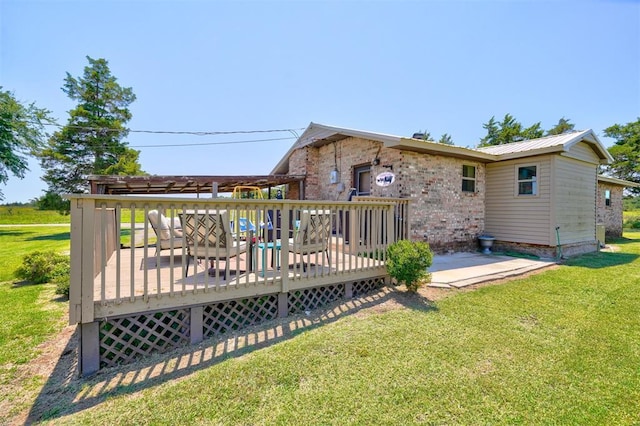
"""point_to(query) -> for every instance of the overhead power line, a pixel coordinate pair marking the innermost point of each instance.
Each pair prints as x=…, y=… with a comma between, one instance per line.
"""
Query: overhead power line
x=209, y=143
x=177, y=132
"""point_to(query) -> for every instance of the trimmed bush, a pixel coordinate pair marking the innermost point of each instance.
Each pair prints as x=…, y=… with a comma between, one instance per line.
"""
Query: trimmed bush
x=407, y=262
x=43, y=267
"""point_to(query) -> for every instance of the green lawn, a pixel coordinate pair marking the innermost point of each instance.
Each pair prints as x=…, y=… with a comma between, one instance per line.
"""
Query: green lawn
x=560, y=347
x=17, y=241
x=29, y=215
x=29, y=314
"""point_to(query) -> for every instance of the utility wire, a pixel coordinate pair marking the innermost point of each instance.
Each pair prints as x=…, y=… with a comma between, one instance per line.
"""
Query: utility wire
x=171, y=132
x=209, y=143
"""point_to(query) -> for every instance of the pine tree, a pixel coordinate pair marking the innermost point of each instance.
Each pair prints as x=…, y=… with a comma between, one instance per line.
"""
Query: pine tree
x=446, y=139
x=508, y=131
x=92, y=141
x=563, y=126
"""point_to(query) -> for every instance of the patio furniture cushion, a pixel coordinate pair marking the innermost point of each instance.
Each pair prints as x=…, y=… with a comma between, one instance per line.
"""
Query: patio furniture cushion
x=166, y=230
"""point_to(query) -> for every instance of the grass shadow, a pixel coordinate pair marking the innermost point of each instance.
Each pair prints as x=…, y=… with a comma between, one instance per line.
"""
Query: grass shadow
x=622, y=240
x=13, y=233
x=24, y=283
x=61, y=236
x=602, y=260
x=73, y=394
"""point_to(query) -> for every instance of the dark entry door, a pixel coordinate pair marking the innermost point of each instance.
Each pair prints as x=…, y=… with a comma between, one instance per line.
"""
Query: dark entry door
x=362, y=180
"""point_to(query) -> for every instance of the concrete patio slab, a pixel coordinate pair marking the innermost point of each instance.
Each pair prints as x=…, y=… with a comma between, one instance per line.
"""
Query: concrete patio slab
x=463, y=269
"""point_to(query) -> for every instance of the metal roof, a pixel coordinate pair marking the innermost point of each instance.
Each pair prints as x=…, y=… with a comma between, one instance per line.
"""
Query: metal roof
x=616, y=181
x=121, y=185
x=321, y=134
x=548, y=144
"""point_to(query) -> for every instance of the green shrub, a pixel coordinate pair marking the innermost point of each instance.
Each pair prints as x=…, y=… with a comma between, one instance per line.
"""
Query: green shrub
x=61, y=276
x=43, y=267
x=632, y=222
x=407, y=262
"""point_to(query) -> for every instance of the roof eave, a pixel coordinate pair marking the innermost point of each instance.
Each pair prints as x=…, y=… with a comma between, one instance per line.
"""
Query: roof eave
x=530, y=153
x=590, y=138
x=620, y=182
x=416, y=145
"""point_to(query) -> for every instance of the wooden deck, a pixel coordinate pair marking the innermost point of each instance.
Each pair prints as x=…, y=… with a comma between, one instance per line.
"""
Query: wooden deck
x=140, y=277
x=132, y=302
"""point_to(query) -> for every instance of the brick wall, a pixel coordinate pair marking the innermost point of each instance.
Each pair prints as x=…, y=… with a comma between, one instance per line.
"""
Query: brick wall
x=441, y=213
x=610, y=216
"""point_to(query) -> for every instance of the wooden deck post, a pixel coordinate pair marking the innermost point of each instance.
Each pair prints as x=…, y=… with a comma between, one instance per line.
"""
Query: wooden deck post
x=89, y=362
x=196, y=324
x=348, y=290
x=283, y=305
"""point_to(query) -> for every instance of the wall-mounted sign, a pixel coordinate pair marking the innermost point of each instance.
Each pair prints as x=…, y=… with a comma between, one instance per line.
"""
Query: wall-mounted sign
x=385, y=179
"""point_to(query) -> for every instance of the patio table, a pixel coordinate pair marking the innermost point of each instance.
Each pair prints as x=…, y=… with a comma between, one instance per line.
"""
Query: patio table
x=275, y=247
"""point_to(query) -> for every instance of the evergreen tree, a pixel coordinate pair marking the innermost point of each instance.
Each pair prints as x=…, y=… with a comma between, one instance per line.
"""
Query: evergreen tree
x=127, y=165
x=92, y=141
x=563, y=126
x=625, y=152
x=492, y=129
x=446, y=139
x=532, y=132
x=508, y=131
x=21, y=134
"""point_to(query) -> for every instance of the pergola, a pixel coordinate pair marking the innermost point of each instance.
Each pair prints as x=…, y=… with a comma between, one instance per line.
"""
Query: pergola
x=154, y=184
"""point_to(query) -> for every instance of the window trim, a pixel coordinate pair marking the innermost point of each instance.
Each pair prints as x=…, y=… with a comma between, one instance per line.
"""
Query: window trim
x=607, y=198
x=535, y=181
x=473, y=179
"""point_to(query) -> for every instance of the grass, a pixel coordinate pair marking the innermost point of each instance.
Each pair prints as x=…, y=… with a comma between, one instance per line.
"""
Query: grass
x=30, y=215
x=560, y=347
x=17, y=241
x=29, y=314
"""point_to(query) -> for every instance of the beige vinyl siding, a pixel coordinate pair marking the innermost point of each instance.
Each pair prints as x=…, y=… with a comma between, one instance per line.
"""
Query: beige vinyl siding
x=522, y=219
x=575, y=200
x=582, y=151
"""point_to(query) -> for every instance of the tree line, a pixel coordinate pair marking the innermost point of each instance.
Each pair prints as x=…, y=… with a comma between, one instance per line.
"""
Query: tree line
x=93, y=141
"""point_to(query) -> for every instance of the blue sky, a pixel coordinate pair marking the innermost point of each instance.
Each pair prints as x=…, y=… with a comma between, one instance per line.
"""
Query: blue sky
x=393, y=67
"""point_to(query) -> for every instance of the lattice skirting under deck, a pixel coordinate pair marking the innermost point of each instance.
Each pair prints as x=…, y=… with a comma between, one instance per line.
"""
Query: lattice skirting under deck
x=232, y=315
x=123, y=340
x=360, y=288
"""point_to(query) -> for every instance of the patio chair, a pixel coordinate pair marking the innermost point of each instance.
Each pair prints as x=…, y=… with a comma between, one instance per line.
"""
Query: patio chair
x=208, y=236
x=312, y=234
x=168, y=233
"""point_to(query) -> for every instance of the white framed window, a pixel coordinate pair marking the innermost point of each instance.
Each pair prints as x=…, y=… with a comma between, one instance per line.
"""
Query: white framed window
x=468, y=178
x=527, y=180
x=607, y=197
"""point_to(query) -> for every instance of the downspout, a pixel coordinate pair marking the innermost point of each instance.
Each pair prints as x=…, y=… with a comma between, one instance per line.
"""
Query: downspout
x=559, y=250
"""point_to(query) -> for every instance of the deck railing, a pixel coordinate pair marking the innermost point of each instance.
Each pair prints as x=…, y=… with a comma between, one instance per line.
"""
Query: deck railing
x=120, y=265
